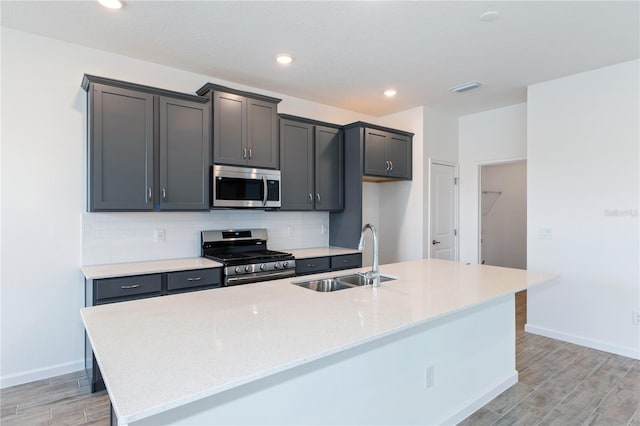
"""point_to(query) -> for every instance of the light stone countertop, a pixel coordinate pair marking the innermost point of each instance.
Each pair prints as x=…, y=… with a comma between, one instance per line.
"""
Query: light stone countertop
x=320, y=252
x=111, y=270
x=161, y=353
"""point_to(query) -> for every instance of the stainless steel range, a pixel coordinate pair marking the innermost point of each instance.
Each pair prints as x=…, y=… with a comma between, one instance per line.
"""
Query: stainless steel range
x=245, y=256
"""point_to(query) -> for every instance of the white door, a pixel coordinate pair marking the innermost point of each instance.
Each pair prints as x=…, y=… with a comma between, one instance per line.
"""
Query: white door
x=444, y=239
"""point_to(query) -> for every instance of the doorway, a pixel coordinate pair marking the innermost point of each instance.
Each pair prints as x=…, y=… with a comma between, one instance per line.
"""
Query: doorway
x=503, y=221
x=443, y=210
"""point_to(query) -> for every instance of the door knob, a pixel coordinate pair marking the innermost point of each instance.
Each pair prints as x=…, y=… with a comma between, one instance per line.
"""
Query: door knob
x=434, y=242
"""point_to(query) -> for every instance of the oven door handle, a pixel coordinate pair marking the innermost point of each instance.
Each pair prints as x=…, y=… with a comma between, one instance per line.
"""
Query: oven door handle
x=266, y=191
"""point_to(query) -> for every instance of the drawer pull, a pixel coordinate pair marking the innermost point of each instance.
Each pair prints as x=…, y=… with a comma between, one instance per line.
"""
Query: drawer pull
x=127, y=287
x=345, y=261
x=312, y=265
x=194, y=279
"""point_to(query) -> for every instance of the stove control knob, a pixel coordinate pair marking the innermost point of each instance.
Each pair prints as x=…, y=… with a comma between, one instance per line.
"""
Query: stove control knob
x=238, y=269
x=276, y=265
x=285, y=264
x=247, y=268
x=263, y=267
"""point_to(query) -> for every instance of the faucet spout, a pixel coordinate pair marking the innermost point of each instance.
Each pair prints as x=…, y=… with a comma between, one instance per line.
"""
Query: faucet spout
x=374, y=274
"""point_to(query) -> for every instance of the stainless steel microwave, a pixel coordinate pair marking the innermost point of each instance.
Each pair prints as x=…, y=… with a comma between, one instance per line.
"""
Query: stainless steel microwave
x=238, y=187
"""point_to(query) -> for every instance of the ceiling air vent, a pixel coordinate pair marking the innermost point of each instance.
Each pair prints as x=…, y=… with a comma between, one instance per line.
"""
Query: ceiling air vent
x=466, y=86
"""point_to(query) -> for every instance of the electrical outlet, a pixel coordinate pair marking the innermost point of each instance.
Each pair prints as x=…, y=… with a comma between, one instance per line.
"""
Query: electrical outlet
x=429, y=377
x=160, y=235
x=292, y=230
x=635, y=317
x=323, y=229
x=545, y=233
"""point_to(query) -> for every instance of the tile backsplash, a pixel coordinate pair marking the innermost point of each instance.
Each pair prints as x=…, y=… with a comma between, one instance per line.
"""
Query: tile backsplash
x=130, y=237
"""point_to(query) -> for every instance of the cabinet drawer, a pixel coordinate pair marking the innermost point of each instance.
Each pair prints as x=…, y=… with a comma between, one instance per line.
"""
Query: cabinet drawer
x=312, y=265
x=134, y=286
x=194, y=278
x=346, y=261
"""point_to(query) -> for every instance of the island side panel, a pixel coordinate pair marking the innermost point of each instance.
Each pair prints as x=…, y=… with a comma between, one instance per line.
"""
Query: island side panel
x=385, y=381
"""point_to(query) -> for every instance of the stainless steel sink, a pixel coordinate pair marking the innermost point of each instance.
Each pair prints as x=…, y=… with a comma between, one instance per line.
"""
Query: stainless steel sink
x=360, y=279
x=338, y=283
x=323, y=285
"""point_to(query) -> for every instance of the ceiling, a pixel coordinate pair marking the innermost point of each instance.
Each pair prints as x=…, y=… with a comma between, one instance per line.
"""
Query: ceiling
x=347, y=53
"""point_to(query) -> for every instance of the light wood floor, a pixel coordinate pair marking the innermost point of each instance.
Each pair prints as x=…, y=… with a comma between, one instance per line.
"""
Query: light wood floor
x=559, y=384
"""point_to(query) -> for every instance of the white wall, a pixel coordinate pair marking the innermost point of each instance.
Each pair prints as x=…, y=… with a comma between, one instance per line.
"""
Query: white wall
x=583, y=186
x=504, y=215
x=43, y=198
x=493, y=136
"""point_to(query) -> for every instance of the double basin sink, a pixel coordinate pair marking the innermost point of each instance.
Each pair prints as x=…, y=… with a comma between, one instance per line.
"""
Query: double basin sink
x=339, y=283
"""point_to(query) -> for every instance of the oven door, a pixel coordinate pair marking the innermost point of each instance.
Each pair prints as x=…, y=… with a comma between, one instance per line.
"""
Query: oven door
x=240, y=187
x=259, y=276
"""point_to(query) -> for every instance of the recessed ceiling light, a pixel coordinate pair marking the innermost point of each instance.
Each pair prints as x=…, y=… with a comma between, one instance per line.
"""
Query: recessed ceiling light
x=489, y=16
x=284, y=59
x=466, y=86
x=111, y=4
x=390, y=92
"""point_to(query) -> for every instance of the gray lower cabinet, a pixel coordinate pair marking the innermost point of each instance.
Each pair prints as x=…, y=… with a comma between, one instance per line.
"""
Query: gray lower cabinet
x=316, y=265
x=148, y=148
x=312, y=165
x=245, y=131
x=120, y=289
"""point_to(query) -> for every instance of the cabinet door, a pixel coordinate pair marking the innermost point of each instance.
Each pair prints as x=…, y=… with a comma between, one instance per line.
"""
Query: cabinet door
x=375, y=156
x=184, y=155
x=229, y=129
x=296, y=165
x=399, y=154
x=329, y=169
x=120, y=149
x=262, y=134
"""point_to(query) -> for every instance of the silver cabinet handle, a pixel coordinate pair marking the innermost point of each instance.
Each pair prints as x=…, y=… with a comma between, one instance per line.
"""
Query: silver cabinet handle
x=250, y=153
x=387, y=164
x=149, y=194
x=318, y=196
x=194, y=278
x=164, y=194
x=390, y=165
x=310, y=198
x=244, y=153
x=434, y=242
x=312, y=265
x=128, y=287
x=265, y=189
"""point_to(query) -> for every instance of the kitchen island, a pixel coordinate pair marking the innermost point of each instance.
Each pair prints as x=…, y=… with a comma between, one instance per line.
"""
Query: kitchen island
x=427, y=348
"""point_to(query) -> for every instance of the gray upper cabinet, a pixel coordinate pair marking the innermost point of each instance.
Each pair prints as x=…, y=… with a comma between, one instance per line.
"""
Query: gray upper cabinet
x=120, y=150
x=387, y=153
x=368, y=149
x=312, y=165
x=329, y=168
x=184, y=155
x=245, y=127
x=148, y=148
x=296, y=165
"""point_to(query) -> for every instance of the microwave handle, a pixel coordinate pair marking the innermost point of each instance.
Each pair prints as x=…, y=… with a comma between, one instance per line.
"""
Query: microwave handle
x=265, y=191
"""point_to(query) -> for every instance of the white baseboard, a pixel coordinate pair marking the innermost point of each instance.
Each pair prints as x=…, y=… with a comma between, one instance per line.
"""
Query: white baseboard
x=584, y=341
x=480, y=400
x=40, y=373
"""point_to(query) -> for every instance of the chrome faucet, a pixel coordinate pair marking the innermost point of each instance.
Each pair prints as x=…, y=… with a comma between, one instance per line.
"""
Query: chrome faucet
x=373, y=276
